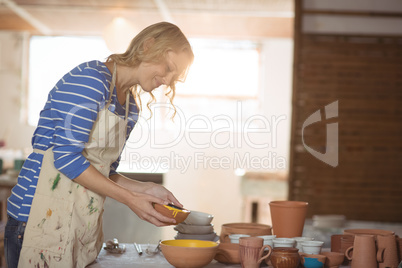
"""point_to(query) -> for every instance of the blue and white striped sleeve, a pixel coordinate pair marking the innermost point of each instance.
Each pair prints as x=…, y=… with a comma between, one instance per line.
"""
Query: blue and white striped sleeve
x=78, y=98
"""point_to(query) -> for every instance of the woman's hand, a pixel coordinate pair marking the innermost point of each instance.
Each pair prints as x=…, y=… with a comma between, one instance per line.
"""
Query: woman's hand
x=141, y=204
x=161, y=192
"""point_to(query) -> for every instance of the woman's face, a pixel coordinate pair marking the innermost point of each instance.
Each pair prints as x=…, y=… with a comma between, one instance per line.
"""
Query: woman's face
x=153, y=75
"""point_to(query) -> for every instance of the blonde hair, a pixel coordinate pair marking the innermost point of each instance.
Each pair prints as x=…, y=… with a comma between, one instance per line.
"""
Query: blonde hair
x=166, y=37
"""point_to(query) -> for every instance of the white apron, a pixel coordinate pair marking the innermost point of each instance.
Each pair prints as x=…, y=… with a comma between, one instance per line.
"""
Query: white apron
x=64, y=227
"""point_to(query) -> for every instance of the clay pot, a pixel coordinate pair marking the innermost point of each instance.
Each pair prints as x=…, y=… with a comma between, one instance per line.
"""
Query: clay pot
x=252, y=252
x=336, y=243
x=228, y=253
x=288, y=218
x=387, y=246
x=364, y=252
x=252, y=229
x=334, y=259
x=284, y=258
x=347, y=242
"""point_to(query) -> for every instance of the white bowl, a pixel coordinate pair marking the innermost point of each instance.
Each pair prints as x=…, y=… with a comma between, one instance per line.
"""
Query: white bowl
x=284, y=242
x=234, y=238
x=199, y=218
x=312, y=247
x=329, y=221
x=299, y=241
x=268, y=239
x=194, y=229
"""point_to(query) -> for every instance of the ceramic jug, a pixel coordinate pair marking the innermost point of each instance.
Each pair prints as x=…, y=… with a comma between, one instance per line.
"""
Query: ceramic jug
x=364, y=252
x=252, y=251
x=387, y=247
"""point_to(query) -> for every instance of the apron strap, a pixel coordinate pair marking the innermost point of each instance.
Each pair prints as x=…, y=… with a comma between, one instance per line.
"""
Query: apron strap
x=38, y=151
x=112, y=84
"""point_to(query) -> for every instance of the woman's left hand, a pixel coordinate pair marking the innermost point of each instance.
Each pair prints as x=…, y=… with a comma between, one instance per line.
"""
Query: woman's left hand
x=161, y=192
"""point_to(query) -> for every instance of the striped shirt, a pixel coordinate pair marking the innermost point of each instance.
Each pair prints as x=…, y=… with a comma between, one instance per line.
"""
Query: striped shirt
x=65, y=123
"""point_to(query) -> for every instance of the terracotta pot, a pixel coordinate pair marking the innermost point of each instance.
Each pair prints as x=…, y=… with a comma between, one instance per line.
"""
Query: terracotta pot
x=334, y=259
x=387, y=246
x=252, y=229
x=374, y=232
x=288, y=218
x=336, y=243
x=284, y=258
x=364, y=252
x=252, y=252
x=172, y=212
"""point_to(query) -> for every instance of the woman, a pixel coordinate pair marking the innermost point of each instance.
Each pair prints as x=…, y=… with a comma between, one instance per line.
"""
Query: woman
x=55, y=210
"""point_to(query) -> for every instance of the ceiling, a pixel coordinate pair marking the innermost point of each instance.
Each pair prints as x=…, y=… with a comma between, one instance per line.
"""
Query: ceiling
x=197, y=18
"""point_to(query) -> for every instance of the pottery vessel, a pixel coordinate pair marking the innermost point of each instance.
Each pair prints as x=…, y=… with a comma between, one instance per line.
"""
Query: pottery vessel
x=199, y=218
x=234, y=238
x=299, y=241
x=284, y=258
x=313, y=260
x=364, y=252
x=252, y=229
x=288, y=218
x=399, y=245
x=312, y=247
x=283, y=242
x=334, y=259
x=268, y=239
x=374, y=232
x=172, y=212
x=189, y=253
x=228, y=253
x=194, y=229
x=347, y=242
x=252, y=252
x=387, y=247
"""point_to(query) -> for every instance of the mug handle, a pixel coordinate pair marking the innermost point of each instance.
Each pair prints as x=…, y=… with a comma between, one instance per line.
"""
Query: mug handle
x=347, y=253
x=262, y=252
x=380, y=255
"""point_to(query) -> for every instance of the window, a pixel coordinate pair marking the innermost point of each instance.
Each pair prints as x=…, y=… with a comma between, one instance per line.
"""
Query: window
x=223, y=72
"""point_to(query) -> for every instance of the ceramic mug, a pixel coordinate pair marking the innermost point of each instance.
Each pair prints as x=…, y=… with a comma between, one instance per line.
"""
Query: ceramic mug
x=252, y=250
x=364, y=252
x=387, y=248
x=234, y=238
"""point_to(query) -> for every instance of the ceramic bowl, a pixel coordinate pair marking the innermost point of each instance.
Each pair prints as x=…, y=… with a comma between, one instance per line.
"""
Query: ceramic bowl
x=334, y=259
x=234, y=238
x=207, y=237
x=312, y=247
x=228, y=253
x=179, y=214
x=252, y=229
x=194, y=229
x=284, y=242
x=313, y=260
x=299, y=240
x=268, y=240
x=183, y=253
x=199, y=218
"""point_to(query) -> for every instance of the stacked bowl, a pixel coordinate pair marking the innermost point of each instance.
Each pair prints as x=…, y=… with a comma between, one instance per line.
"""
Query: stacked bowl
x=197, y=226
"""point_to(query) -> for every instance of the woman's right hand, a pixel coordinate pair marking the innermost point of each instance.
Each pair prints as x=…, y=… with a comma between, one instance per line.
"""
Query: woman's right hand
x=141, y=204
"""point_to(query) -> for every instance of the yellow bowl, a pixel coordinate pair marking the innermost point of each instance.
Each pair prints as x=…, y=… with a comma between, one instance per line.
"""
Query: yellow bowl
x=185, y=253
